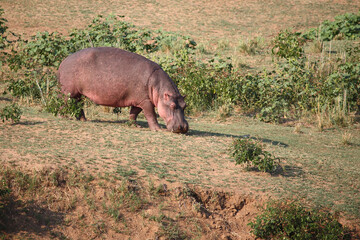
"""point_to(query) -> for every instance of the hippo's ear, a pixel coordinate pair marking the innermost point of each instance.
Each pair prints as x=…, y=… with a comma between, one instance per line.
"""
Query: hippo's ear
x=184, y=96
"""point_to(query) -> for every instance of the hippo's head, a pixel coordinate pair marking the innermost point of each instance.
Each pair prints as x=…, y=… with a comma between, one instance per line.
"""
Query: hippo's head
x=171, y=109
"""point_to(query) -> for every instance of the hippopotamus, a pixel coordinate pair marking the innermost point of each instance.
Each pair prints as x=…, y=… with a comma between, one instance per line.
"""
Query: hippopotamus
x=118, y=78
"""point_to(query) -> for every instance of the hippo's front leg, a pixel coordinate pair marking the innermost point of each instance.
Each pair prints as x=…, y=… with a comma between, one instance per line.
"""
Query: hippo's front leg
x=150, y=115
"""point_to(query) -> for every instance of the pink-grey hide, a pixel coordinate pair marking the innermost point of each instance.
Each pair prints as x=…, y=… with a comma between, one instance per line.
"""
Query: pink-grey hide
x=117, y=78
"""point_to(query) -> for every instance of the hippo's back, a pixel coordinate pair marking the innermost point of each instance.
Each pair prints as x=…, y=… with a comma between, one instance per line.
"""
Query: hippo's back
x=108, y=76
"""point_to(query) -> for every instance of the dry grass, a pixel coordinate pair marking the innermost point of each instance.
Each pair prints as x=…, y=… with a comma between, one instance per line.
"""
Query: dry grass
x=346, y=138
x=207, y=21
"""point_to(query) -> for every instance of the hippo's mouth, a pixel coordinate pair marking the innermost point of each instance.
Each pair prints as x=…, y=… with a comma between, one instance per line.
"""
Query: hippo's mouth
x=179, y=129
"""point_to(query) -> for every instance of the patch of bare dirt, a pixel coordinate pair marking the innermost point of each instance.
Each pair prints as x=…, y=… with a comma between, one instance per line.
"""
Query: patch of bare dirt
x=68, y=204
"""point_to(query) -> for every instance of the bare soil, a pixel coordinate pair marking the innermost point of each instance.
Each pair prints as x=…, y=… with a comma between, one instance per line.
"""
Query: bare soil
x=85, y=210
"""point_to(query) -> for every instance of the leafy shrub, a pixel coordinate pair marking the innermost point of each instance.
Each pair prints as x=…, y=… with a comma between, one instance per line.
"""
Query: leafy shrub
x=346, y=26
x=3, y=37
x=11, y=112
x=290, y=220
x=60, y=104
x=250, y=153
x=43, y=50
x=3, y=29
x=274, y=94
x=288, y=45
x=206, y=85
x=112, y=32
x=344, y=78
x=23, y=87
x=295, y=86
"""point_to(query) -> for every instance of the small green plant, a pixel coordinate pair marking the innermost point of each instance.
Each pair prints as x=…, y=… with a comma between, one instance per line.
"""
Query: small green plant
x=288, y=45
x=117, y=111
x=290, y=220
x=250, y=153
x=3, y=29
x=11, y=112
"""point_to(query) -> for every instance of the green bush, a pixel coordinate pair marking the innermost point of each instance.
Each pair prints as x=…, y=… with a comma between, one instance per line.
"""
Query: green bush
x=207, y=85
x=11, y=112
x=3, y=29
x=288, y=45
x=296, y=86
x=345, y=78
x=290, y=220
x=3, y=36
x=60, y=104
x=250, y=153
x=346, y=26
x=112, y=32
x=44, y=50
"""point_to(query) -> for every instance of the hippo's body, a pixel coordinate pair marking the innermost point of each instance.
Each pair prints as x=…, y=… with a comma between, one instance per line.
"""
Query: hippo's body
x=117, y=78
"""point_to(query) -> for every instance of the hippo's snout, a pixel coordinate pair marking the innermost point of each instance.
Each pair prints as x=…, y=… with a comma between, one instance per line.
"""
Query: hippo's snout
x=181, y=128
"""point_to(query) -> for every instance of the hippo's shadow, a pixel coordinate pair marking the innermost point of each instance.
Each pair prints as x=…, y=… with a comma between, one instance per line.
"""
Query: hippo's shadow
x=193, y=132
x=29, y=123
x=140, y=123
x=5, y=99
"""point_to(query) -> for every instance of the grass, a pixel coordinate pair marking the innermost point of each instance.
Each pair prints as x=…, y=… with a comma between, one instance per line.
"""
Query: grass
x=315, y=166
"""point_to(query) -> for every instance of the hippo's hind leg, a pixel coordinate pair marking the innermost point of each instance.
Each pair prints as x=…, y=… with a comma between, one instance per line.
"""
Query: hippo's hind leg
x=134, y=112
